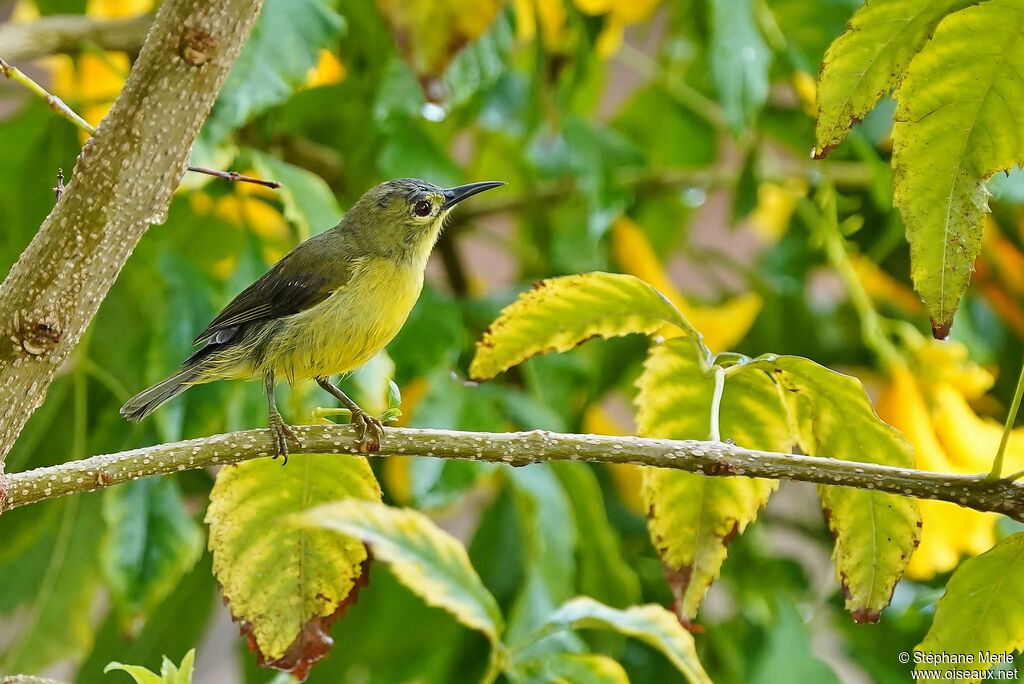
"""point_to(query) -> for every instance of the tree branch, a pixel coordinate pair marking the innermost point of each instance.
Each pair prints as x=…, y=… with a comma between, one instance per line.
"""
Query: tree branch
x=516, y=448
x=122, y=182
x=62, y=34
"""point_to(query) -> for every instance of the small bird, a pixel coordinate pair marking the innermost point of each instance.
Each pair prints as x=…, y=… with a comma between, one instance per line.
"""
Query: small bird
x=326, y=308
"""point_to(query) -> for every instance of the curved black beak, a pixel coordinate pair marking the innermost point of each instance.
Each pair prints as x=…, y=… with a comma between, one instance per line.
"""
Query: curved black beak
x=453, y=196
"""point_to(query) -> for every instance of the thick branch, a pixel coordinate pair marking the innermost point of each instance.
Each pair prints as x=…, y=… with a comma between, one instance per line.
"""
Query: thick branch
x=122, y=182
x=69, y=34
x=517, y=448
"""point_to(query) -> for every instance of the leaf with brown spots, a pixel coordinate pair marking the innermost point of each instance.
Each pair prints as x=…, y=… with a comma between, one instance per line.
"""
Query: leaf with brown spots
x=560, y=313
x=286, y=584
x=691, y=517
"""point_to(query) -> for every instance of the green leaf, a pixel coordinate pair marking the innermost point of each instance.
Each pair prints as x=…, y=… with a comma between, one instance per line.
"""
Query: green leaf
x=788, y=656
x=681, y=138
x=739, y=60
x=308, y=201
x=869, y=60
x=57, y=621
x=649, y=623
x=284, y=582
x=875, y=533
x=604, y=572
x=169, y=672
x=284, y=45
x=549, y=541
x=980, y=611
x=692, y=517
x=560, y=313
x=571, y=668
x=957, y=124
x=425, y=558
x=151, y=542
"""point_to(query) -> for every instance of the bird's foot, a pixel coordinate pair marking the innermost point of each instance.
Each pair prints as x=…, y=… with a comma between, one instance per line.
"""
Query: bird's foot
x=282, y=432
x=371, y=431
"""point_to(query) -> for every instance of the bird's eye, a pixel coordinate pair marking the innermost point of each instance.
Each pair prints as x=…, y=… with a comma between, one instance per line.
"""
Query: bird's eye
x=422, y=208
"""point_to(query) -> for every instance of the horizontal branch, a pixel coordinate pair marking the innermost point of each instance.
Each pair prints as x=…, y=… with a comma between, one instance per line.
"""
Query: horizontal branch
x=61, y=34
x=517, y=449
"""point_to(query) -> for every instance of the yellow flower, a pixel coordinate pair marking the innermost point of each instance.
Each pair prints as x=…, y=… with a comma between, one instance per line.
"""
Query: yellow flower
x=328, y=71
x=628, y=479
x=722, y=326
x=549, y=14
x=929, y=405
x=618, y=14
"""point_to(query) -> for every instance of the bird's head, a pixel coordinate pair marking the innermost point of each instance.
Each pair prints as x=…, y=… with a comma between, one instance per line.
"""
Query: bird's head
x=406, y=215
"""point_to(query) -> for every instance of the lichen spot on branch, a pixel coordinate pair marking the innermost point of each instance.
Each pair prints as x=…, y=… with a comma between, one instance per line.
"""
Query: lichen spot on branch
x=40, y=336
x=197, y=46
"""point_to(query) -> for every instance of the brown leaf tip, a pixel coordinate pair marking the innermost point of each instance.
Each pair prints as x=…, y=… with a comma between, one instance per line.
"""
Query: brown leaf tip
x=865, y=616
x=314, y=641
x=940, y=331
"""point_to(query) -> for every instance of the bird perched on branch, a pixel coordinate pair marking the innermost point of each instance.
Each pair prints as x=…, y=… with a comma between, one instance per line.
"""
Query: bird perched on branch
x=326, y=308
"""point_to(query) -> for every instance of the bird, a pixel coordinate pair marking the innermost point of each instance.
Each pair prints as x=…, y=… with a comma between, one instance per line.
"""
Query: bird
x=325, y=308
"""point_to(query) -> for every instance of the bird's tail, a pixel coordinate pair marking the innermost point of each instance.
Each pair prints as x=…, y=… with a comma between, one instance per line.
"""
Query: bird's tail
x=148, y=400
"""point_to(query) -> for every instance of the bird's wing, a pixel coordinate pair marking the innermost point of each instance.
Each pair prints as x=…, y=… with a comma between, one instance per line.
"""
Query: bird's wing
x=286, y=289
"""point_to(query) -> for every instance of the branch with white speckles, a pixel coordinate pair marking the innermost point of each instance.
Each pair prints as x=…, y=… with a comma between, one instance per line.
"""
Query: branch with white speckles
x=516, y=448
x=123, y=182
x=68, y=34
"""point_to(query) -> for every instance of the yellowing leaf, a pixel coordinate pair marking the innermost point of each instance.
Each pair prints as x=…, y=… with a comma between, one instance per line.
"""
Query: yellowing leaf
x=692, y=517
x=560, y=313
x=572, y=668
x=426, y=559
x=951, y=134
x=875, y=532
x=721, y=326
x=286, y=583
x=649, y=623
x=431, y=32
x=868, y=60
x=980, y=611
x=169, y=672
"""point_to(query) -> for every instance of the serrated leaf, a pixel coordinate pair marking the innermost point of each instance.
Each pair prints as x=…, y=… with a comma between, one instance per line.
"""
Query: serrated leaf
x=980, y=611
x=284, y=582
x=571, y=668
x=431, y=32
x=152, y=541
x=956, y=125
x=739, y=60
x=869, y=60
x=692, y=517
x=875, y=532
x=560, y=313
x=169, y=672
x=649, y=623
x=308, y=201
x=284, y=45
x=425, y=558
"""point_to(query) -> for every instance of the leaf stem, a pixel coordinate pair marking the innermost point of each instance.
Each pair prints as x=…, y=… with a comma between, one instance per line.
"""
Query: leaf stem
x=1011, y=418
x=715, y=434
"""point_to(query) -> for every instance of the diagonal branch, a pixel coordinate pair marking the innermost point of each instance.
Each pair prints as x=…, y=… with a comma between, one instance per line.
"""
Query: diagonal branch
x=122, y=183
x=516, y=448
x=62, y=34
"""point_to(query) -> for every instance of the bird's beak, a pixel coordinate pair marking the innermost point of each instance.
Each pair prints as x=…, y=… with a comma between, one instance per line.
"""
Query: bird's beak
x=453, y=196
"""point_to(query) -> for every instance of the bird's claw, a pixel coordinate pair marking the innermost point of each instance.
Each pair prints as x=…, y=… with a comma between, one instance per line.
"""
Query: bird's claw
x=371, y=431
x=281, y=433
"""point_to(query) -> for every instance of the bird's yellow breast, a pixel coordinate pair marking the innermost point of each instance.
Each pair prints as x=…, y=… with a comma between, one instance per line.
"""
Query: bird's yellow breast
x=348, y=328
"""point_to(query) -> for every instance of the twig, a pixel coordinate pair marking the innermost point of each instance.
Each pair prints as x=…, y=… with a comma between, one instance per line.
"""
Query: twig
x=517, y=449
x=235, y=176
x=997, y=462
x=57, y=105
x=58, y=189
x=60, y=34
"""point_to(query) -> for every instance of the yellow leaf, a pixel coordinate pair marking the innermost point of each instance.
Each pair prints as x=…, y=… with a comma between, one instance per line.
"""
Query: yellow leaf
x=560, y=313
x=722, y=326
x=280, y=579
